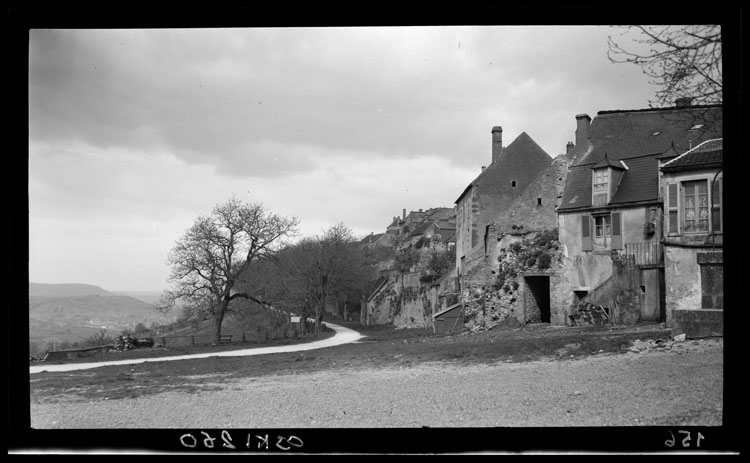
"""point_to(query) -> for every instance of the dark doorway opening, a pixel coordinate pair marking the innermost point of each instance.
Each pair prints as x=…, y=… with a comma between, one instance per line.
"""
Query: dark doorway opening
x=537, y=298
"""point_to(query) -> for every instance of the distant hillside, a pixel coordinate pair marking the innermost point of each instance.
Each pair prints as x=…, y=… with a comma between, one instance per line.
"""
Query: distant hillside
x=74, y=312
x=149, y=297
x=116, y=312
x=66, y=290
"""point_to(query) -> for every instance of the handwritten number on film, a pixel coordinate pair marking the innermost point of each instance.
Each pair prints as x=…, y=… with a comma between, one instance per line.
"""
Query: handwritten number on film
x=282, y=442
x=685, y=441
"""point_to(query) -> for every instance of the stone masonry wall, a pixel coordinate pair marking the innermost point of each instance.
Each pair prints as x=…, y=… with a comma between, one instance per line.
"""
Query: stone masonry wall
x=493, y=294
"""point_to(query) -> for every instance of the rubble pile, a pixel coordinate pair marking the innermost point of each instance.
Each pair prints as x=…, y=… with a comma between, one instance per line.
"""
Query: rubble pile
x=131, y=342
x=125, y=343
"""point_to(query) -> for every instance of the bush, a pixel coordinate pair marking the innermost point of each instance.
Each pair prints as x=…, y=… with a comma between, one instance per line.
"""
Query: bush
x=544, y=261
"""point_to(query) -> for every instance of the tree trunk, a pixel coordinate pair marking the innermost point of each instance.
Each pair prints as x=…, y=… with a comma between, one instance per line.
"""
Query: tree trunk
x=218, y=319
x=319, y=316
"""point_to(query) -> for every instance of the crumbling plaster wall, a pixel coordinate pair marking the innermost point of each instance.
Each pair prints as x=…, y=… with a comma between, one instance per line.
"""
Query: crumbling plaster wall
x=682, y=277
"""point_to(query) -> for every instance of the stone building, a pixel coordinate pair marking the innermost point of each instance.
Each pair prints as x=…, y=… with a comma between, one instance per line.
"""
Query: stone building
x=693, y=240
x=519, y=278
x=511, y=170
x=611, y=213
x=405, y=296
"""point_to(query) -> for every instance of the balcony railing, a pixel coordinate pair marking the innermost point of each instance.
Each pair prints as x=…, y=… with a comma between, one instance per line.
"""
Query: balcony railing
x=646, y=253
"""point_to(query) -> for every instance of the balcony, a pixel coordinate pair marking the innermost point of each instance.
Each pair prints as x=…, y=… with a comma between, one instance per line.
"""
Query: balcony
x=646, y=254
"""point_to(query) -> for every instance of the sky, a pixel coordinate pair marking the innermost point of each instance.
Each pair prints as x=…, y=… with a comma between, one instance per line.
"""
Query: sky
x=134, y=133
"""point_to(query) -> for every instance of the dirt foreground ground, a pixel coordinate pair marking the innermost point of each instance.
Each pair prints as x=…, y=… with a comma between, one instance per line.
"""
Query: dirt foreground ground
x=680, y=385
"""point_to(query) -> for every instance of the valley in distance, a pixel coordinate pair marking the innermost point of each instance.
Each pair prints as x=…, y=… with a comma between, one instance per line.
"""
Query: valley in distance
x=64, y=314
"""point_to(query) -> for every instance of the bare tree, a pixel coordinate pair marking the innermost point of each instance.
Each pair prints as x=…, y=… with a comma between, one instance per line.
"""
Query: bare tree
x=324, y=266
x=683, y=61
x=212, y=255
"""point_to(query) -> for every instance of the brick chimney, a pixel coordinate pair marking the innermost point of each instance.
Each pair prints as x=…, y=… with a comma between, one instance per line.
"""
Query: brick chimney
x=684, y=102
x=583, y=121
x=497, y=142
x=404, y=212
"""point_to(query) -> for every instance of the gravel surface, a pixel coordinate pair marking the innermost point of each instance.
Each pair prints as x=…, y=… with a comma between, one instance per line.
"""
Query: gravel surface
x=681, y=385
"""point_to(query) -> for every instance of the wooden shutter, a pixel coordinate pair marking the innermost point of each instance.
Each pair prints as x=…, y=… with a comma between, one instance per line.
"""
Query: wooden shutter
x=586, y=244
x=616, y=231
x=716, y=206
x=672, y=209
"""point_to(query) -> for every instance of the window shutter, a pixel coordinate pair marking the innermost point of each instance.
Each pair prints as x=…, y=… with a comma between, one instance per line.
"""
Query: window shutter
x=716, y=206
x=616, y=231
x=672, y=210
x=586, y=233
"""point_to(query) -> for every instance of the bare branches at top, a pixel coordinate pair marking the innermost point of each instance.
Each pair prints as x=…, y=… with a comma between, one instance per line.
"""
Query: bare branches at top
x=683, y=61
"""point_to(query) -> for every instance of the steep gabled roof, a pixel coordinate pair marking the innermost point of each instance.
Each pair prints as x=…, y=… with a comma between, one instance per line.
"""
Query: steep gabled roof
x=707, y=154
x=638, y=138
x=522, y=160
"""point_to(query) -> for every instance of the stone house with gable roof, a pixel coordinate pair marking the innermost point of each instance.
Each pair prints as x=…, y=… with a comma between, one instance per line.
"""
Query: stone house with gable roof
x=511, y=170
x=611, y=214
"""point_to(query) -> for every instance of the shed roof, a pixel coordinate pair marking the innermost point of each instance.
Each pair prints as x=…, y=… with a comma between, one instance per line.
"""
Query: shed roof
x=443, y=312
x=708, y=153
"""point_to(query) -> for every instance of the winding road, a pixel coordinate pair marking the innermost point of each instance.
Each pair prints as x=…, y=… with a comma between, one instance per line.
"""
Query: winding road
x=343, y=336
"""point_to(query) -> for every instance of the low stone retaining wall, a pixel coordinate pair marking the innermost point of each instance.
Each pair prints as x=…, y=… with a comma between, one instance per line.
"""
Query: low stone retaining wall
x=700, y=323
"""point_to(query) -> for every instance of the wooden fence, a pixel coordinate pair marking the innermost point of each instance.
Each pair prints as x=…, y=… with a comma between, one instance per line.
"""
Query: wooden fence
x=646, y=253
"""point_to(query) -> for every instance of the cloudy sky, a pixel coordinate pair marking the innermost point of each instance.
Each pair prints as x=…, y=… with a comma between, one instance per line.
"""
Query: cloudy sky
x=135, y=133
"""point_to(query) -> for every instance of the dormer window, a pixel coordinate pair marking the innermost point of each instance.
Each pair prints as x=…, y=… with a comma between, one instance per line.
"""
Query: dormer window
x=601, y=187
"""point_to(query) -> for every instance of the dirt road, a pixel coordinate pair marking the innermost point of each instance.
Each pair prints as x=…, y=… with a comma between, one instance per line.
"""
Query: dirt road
x=679, y=386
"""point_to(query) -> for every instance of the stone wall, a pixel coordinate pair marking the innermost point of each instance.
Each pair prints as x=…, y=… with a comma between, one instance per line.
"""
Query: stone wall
x=496, y=292
x=712, y=279
x=698, y=323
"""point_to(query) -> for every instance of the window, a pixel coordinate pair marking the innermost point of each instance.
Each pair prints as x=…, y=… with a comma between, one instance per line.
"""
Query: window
x=513, y=183
x=606, y=234
x=601, y=179
x=695, y=207
x=601, y=187
x=538, y=201
x=602, y=226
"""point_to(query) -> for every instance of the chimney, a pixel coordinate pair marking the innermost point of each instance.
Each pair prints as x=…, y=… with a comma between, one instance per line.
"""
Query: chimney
x=483, y=167
x=684, y=102
x=497, y=142
x=404, y=212
x=583, y=122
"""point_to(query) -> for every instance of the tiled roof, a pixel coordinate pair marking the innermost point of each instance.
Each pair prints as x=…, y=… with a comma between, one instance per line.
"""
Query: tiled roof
x=639, y=183
x=371, y=238
x=421, y=228
x=638, y=138
x=709, y=152
x=628, y=134
x=522, y=161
